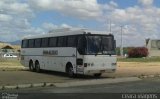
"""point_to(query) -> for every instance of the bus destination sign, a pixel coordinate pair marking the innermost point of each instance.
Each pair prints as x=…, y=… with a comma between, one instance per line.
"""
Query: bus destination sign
x=50, y=52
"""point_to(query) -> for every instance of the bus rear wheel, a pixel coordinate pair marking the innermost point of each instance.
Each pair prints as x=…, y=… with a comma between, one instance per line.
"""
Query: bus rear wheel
x=31, y=67
x=37, y=67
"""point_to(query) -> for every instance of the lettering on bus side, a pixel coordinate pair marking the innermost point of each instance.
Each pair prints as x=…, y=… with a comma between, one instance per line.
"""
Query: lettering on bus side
x=50, y=52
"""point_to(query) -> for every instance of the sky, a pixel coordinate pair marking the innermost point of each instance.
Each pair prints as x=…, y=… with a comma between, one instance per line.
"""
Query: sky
x=140, y=19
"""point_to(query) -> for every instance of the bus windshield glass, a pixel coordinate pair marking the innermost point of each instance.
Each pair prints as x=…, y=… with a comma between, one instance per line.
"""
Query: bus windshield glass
x=100, y=45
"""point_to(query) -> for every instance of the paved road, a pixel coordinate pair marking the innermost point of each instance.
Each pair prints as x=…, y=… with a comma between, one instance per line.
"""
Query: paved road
x=144, y=86
x=151, y=85
x=25, y=77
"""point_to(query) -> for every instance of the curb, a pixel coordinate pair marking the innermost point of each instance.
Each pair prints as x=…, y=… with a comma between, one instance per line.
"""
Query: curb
x=49, y=84
x=21, y=86
x=10, y=87
x=149, y=76
x=79, y=83
x=97, y=82
x=24, y=86
x=13, y=69
x=1, y=88
x=38, y=85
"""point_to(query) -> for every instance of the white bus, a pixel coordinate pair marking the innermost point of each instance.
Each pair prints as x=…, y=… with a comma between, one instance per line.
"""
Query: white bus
x=72, y=51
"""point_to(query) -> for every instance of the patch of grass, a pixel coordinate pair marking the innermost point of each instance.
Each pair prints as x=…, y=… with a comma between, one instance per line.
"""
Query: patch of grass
x=9, y=62
x=148, y=59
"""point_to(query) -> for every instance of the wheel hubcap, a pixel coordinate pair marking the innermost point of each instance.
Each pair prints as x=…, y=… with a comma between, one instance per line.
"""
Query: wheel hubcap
x=37, y=67
x=70, y=71
x=31, y=67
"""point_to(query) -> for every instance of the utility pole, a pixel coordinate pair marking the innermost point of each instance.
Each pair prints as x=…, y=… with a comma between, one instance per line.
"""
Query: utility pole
x=110, y=24
x=121, y=47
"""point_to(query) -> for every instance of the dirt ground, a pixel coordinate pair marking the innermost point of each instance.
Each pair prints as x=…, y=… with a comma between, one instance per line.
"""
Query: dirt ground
x=124, y=69
x=135, y=69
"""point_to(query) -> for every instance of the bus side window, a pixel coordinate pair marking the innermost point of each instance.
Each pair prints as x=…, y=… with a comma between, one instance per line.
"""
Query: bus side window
x=62, y=41
x=81, y=44
x=71, y=41
x=44, y=42
x=37, y=43
x=52, y=42
x=31, y=43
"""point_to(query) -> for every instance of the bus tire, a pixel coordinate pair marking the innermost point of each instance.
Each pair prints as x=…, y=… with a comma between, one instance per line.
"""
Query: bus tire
x=31, y=67
x=69, y=70
x=37, y=67
x=97, y=74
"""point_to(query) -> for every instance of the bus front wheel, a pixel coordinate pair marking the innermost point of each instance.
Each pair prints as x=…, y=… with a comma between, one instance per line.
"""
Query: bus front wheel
x=37, y=67
x=70, y=71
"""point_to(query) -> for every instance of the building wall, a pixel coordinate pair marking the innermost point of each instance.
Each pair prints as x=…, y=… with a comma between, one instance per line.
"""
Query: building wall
x=153, y=47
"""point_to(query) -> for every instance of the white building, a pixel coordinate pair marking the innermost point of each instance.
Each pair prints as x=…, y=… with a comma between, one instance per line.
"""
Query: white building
x=153, y=46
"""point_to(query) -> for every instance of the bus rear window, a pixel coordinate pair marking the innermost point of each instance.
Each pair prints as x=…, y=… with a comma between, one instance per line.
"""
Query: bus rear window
x=24, y=43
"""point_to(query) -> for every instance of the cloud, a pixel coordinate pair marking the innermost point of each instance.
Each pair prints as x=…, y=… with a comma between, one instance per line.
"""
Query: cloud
x=109, y=6
x=50, y=26
x=143, y=21
x=66, y=26
x=15, y=20
x=4, y=17
x=146, y=2
x=140, y=21
x=83, y=9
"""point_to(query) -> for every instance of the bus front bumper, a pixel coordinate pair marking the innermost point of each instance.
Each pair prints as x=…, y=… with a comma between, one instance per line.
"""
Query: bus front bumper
x=86, y=72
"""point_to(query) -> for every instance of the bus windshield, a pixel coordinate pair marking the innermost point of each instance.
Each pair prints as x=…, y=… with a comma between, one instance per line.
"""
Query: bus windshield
x=100, y=44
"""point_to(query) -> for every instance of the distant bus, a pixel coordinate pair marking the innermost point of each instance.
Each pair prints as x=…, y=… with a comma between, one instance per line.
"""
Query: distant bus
x=76, y=51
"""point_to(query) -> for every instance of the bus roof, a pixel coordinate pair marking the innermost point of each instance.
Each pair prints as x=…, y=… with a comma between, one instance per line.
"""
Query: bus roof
x=65, y=32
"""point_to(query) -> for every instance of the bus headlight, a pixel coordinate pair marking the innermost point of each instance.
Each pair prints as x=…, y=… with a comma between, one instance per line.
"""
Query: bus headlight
x=85, y=64
x=79, y=61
